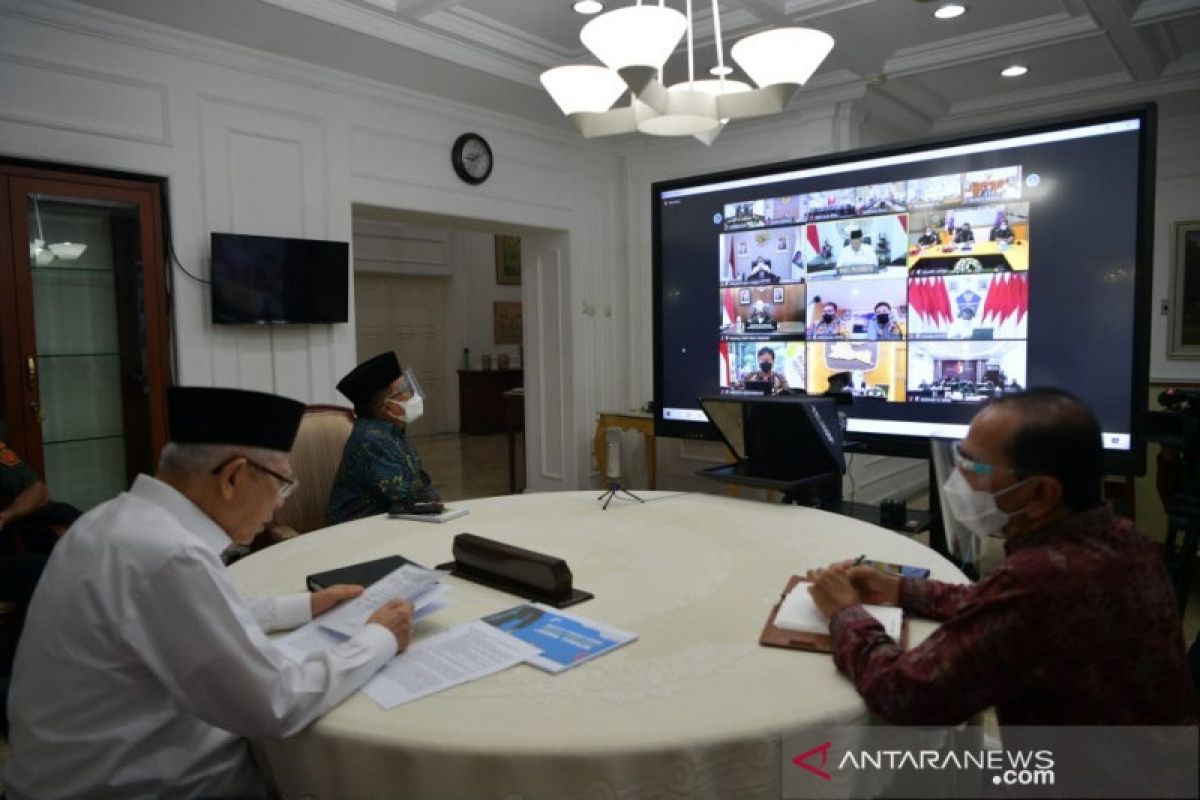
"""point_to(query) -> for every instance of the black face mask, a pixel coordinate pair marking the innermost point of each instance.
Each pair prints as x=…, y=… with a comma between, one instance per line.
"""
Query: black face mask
x=882, y=319
x=827, y=318
x=765, y=366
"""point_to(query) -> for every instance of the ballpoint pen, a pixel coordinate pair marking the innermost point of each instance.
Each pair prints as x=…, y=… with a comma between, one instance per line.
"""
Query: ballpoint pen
x=859, y=560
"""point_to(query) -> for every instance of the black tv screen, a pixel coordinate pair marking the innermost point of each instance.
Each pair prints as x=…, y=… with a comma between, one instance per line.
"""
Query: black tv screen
x=268, y=279
x=925, y=279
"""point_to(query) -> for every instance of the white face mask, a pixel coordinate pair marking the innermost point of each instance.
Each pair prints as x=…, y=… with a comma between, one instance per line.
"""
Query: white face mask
x=976, y=508
x=413, y=408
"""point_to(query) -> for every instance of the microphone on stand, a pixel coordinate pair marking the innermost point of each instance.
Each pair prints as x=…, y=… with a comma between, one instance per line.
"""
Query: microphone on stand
x=612, y=468
x=612, y=455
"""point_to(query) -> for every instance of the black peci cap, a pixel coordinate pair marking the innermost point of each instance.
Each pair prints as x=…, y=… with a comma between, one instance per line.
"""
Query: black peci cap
x=374, y=374
x=207, y=415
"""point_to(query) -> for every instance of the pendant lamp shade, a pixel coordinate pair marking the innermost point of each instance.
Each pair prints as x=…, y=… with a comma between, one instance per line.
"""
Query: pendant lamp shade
x=583, y=88
x=782, y=55
x=635, y=36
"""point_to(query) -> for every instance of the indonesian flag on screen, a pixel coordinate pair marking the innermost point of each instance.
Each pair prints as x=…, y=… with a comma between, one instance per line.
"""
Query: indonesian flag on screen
x=723, y=349
x=733, y=276
x=728, y=309
x=812, y=243
x=1006, y=304
x=929, y=300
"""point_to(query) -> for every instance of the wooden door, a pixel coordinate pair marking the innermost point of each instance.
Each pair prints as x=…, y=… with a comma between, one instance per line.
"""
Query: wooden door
x=407, y=314
x=83, y=330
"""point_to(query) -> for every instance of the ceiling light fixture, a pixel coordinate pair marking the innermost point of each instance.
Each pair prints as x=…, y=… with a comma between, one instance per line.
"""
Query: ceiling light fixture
x=634, y=42
x=588, y=7
x=1015, y=71
x=950, y=11
x=38, y=252
x=41, y=253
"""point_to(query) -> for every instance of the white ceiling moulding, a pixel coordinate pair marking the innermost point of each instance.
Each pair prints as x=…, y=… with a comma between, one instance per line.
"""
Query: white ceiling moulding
x=985, y=45
x=392, y=29
x=634, y=42
x=1152, y=11
x=386, y=5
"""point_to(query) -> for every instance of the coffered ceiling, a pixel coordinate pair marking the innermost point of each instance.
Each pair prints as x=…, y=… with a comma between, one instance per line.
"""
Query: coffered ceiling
x=921, y=72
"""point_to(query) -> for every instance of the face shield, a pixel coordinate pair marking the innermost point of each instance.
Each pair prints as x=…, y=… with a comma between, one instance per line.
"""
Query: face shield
x=407, y=410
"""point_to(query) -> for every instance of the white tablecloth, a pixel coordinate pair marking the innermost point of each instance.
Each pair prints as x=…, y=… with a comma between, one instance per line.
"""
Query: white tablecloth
x=695, y=707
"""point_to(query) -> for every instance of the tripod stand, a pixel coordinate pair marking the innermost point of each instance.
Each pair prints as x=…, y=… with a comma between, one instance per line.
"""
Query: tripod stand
x=613, y=488
x=612, y=468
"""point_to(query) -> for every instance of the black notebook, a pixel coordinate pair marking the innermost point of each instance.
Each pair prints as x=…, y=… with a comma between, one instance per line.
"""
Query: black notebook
x=363, y=574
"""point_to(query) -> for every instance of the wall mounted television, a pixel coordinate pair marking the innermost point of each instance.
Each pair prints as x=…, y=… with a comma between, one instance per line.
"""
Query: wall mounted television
x=1001, y=260
x=268, y=279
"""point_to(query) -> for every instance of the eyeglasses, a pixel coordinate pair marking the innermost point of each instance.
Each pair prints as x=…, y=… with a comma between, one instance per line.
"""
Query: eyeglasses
x=970, y=465
x=286, y=485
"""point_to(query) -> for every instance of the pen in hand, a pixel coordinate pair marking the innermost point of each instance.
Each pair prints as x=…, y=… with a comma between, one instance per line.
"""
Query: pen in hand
x=859, y=560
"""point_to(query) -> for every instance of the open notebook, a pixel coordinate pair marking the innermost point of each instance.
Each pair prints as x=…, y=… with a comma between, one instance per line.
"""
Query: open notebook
x=796, y=622
x=798, y=612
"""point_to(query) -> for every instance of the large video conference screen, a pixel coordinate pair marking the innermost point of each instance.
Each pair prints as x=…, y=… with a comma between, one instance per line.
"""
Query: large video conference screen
x=922, y=281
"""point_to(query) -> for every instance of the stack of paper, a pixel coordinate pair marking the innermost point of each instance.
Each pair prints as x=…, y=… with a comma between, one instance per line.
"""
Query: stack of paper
x=798, y=612
x=421, y=587
x=462, y=654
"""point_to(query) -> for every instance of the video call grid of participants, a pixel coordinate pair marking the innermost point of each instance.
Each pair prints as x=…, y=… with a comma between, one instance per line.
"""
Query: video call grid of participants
x=913, y=291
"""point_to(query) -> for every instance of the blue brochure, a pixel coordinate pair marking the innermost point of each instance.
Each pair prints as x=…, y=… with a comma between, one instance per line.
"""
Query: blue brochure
x=564, y=640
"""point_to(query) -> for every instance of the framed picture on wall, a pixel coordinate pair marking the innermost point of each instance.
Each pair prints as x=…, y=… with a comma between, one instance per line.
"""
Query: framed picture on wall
x=1185, y=280
x=777, y=295
x=508, y=260
x=506, y=323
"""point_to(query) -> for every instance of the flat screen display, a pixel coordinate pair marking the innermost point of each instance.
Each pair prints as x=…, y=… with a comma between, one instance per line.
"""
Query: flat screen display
x=268, y=279
x=924, y=280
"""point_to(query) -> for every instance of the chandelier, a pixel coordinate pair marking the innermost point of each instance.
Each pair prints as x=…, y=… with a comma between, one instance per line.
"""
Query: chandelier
x=634, y=42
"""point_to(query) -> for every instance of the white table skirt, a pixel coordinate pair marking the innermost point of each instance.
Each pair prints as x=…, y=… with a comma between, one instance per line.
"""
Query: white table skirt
x=694, y=708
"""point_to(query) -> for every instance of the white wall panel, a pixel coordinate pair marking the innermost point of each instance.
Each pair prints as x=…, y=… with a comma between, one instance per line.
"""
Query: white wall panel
x=264, y=174
x=548, y=402
x=48, y=95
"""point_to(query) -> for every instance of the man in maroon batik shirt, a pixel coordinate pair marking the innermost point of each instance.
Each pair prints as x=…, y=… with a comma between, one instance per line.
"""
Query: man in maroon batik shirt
x=1077, y=626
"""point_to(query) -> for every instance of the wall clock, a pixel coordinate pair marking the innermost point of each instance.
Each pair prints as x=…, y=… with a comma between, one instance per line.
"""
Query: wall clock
x=472, y=158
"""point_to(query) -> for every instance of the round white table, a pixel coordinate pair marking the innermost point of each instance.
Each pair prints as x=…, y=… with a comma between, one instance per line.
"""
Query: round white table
x=694, y=707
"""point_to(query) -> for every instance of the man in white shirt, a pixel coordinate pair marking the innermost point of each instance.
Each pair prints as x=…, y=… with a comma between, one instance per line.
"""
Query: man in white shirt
x=141, y=666
x=856, y=254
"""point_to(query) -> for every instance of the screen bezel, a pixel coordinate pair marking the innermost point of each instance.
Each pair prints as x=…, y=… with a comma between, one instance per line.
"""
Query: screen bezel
x=343, y=249
x=1123, y=461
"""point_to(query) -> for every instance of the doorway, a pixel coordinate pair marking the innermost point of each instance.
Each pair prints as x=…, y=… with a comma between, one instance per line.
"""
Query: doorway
x=407, y=314
x=83, y=329
x=462, y=254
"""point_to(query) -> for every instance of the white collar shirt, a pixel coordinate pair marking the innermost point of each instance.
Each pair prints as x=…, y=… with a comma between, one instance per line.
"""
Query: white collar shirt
x=142, y=667
x=864, y=256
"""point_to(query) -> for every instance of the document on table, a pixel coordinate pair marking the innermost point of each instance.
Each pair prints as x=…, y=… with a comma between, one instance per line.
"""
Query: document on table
x=460, y=655
x=315, y=636
x=409, y=582
x=798, y=612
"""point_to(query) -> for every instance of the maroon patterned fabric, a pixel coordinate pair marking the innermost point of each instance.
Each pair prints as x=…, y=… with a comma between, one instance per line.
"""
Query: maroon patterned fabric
x=1078, y=626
